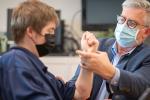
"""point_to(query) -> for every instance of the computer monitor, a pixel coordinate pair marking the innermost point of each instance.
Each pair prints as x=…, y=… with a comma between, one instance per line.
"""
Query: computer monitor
x=100, y=15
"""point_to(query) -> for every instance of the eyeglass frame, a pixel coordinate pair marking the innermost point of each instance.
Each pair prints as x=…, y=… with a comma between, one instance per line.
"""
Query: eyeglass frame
x=128, y=21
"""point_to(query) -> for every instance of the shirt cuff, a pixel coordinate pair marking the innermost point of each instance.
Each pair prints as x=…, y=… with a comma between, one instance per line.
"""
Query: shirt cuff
x=115, y=79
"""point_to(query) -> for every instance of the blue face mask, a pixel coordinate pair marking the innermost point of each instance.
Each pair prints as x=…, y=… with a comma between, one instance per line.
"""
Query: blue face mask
x=125, y=36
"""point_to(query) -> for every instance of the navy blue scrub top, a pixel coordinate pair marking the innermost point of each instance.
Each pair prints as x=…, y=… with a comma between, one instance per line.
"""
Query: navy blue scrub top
x=24, y=77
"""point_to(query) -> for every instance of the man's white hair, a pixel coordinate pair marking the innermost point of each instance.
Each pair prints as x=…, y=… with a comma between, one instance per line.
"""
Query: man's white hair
x=143, y=4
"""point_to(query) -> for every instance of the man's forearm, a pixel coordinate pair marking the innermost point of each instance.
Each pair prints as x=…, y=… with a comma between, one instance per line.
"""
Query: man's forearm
x=84, y=84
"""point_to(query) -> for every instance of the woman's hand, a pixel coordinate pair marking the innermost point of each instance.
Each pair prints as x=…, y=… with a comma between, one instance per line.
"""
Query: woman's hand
x=89, y=43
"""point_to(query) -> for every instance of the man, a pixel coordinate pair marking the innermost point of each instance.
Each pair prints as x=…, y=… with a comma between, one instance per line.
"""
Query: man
x=22, y=75
x=122, y=66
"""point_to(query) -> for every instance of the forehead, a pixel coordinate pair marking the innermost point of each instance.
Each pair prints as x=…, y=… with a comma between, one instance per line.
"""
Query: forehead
x=136, y=14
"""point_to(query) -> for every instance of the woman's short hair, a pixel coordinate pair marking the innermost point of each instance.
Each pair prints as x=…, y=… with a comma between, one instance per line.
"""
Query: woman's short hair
x=31, y=13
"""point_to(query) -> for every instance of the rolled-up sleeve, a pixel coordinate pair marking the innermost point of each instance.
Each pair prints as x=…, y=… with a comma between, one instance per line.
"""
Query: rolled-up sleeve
x=67, y=90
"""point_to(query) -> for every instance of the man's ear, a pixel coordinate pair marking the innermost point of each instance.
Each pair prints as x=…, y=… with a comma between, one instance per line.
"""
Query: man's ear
x=146, y=33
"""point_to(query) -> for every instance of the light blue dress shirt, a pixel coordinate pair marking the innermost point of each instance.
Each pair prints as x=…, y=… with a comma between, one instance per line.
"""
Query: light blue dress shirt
x=103, y=93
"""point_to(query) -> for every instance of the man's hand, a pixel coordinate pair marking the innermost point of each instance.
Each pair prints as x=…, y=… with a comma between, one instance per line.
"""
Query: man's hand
x=98, y=63
x=89, y=42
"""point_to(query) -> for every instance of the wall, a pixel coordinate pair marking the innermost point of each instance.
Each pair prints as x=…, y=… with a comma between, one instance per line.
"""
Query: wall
x=68, y=9
x=62, y=66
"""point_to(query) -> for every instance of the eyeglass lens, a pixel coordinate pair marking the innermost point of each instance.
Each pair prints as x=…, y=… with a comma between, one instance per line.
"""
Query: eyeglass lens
x=130, y=23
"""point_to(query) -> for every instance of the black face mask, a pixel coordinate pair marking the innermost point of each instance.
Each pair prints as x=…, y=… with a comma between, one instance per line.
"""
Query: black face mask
x=47, y=47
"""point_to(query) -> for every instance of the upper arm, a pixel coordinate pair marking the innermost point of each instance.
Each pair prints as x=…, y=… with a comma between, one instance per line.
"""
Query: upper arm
x=19, y=81
x=24, y=84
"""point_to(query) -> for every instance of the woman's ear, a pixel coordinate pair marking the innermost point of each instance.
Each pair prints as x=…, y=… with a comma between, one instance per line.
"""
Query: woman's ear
x=29, y=31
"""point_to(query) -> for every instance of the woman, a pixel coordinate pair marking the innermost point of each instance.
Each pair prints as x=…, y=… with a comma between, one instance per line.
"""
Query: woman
x=22, y=75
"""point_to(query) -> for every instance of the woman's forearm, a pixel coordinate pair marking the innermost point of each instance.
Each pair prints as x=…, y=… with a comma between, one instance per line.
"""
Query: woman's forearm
x=83, y=84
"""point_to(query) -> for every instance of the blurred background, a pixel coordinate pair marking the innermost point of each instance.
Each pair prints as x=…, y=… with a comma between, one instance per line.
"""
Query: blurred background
x=76, y=16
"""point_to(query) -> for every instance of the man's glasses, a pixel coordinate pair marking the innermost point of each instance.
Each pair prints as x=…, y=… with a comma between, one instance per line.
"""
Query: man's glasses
x=130, y=23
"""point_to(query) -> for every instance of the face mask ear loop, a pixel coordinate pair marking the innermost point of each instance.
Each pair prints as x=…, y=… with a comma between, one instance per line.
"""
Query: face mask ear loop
x=137, y=32
x=32, y=39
